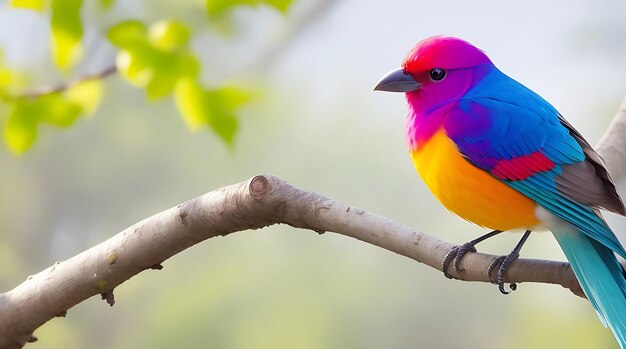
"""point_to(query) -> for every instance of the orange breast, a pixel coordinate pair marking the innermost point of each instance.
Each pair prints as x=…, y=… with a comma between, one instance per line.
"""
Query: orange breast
x=468, y=191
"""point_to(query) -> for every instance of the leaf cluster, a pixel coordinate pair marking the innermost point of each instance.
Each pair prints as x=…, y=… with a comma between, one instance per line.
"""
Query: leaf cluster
x=155, y=57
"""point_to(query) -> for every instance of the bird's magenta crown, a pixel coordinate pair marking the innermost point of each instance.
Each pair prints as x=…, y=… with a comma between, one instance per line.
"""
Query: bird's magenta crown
x=443, y=52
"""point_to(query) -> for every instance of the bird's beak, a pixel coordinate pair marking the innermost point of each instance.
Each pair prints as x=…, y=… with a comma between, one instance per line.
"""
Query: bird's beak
x=397, y=81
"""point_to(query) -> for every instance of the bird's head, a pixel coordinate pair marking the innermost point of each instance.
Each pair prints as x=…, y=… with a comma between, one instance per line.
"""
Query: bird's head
x=437, y=70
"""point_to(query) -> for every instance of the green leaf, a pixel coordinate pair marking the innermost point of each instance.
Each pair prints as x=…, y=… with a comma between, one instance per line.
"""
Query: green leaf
x=189, y=98
x=224, y=123
x=11, y=80
x=189, y=65
x=59, y=109
x=233, y=97
x=20, y=129
x=106, y=4
x=154, y=59
x=37, y=5
x=169, y=35
x=134, y=66
x=86, y=95
x=148, y=68
x=280, y=5
x=6, y=77
x=214, y=108
x=161, y=85
x=67, y=31
x=223, y=102
x=216, y=8
x=52, y=108
x=165, y=72
x=55, y=110
x=128, y=34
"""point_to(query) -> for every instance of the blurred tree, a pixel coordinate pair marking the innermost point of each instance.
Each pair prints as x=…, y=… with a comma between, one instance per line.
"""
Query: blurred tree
x=155, y=57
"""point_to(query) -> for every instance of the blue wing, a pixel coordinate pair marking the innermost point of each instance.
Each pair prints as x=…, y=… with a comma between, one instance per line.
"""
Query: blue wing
x=508, y=130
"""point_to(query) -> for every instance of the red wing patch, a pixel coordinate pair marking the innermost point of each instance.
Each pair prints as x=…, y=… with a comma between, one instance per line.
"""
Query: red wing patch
x=522, y=167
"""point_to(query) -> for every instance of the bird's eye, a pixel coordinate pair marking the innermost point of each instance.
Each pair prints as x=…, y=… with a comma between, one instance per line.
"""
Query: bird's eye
x=437, y=74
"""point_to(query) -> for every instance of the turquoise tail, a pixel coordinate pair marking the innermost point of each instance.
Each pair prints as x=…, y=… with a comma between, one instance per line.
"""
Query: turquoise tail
x=600, y=275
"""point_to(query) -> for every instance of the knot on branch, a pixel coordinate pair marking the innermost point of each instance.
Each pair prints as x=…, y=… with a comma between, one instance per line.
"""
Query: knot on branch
x=259, y=186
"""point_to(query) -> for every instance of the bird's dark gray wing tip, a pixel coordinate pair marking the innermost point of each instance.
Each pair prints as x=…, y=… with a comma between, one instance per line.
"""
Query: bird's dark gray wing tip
x=589, y=181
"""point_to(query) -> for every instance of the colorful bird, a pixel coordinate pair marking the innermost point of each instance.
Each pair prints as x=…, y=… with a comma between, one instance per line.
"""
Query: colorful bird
x=497, y=154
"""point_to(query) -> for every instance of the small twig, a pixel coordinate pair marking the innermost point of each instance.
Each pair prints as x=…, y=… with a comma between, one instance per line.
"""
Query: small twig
x=45, y=90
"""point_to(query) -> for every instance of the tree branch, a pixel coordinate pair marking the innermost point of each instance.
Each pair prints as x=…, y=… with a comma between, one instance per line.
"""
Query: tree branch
x=46, y=90
x=259, y=202
x=612, y=145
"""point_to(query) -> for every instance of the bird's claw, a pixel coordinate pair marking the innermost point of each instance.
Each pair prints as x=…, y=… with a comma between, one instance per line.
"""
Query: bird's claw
x=494, y=263
x=502, y=262
x=456, y=254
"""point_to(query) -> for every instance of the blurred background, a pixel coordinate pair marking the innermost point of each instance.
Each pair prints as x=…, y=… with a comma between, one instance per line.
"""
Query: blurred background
x=318, y=124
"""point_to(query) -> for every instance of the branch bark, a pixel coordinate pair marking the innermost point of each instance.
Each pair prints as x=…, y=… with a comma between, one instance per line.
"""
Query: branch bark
x=256, y=203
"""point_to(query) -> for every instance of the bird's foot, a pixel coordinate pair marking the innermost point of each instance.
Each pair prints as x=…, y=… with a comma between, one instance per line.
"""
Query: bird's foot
x=456, y=254
x=502, y=263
